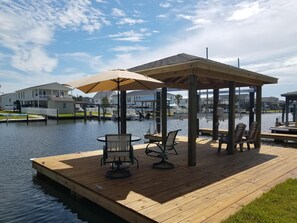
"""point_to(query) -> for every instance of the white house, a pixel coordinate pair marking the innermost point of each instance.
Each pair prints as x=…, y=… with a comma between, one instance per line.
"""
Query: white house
x=38, y=96
x=7, y=101
x=144, y=98
x=100, y=95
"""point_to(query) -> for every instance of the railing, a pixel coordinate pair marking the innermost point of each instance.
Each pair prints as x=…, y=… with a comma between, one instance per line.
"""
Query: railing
x=40, y=111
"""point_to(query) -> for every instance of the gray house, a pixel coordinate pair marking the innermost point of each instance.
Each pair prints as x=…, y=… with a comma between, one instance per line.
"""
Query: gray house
x=63, y=104
x=7, y=101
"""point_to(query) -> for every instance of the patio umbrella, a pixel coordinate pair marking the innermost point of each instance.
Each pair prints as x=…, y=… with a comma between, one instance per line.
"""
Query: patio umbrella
x=116, y=80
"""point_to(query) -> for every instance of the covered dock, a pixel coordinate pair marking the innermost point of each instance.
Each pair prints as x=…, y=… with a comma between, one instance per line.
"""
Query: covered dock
x=184, y=71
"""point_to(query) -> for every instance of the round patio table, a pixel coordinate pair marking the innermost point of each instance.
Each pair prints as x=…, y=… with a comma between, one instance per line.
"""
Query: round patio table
x=123, y=166
x=133, y=138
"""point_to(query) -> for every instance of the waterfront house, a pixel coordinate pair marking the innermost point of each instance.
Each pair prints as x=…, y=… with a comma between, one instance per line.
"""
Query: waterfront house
x=7, y=101
x=100, y=95
x=38, y=96
x=144, y=98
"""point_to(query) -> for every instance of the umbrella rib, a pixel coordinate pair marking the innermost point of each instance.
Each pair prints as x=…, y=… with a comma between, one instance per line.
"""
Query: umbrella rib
x=88, y=91
x=143, y=85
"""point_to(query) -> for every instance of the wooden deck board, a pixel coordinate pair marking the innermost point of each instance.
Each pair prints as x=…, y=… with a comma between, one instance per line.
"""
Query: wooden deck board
x=218, y=186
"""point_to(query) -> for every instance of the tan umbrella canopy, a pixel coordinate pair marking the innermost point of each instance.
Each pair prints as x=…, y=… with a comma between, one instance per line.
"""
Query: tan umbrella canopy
x=116, y=80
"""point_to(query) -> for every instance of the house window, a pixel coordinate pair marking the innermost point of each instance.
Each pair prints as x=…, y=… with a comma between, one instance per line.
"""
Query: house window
x=64, y=105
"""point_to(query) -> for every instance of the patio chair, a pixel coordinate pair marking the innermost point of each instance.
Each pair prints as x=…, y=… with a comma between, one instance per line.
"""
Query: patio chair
x=163, y=150
x=117, y=151
x=239, y=131
x=251, y=135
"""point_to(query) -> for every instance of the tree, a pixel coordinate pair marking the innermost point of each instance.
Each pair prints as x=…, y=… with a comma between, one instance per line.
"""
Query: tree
x=178, y=98
x=105, y=101
x=17, y=104
x=78, y=98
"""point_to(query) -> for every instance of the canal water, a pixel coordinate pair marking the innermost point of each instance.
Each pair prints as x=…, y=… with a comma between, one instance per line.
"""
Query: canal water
x=26, y=198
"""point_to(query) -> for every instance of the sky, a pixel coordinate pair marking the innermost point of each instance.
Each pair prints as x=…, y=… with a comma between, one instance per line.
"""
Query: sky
x=48, y=41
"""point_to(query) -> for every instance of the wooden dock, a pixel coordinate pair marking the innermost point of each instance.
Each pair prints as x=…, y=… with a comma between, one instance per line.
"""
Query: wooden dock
x=264, y=135
x=218, y=186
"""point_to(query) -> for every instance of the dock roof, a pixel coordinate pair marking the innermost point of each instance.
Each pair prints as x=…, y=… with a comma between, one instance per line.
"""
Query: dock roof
x=174, y=71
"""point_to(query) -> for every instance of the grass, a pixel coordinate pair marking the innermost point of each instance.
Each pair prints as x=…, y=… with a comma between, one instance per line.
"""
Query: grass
x=279, y=205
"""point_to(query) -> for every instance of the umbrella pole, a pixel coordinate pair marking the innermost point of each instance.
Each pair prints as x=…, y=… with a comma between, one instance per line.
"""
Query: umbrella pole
x=119, y=131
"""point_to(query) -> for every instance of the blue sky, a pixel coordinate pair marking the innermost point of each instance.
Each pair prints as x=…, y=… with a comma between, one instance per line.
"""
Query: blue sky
x=62, y=40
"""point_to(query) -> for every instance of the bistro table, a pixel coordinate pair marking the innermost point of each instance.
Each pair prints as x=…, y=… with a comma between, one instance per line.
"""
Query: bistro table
x=123, y=165
x=133, y=138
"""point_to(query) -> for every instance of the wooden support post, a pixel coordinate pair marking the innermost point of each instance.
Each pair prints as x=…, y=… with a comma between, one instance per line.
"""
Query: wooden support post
x=158, y=112
x=252, y=107
x=123, y=116
x=294, y=113
x=74, y=111
x=27, y=119
x=283, y=113
x=258, y=115
x=164, y=114
x=57, y=115
x=85, y=113
x=198, y=110
x=287, y=110
x=231, y=119
x=192, y=119
x=99, y=113
x=215, y=118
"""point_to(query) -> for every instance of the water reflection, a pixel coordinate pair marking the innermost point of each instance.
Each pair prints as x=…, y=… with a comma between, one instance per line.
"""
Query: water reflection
x=83, y=209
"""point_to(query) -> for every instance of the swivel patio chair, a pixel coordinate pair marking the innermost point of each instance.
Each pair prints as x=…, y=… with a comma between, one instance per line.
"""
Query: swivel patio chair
x=239, y=132
x=163, y=150
x=117, y=151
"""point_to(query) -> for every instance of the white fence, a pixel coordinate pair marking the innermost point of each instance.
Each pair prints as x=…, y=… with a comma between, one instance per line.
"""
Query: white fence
x=40, y=111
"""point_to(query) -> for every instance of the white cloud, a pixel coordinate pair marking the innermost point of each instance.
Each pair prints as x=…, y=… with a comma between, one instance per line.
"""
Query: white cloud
x=245, y=10
x=130, y=21
x=117, y=12
x=162, y=16
x=165, y=5
x=129, y=48
x=82, y=59
x=257, y=40
x=33, y=60
x=28, y=27
x=130, y=36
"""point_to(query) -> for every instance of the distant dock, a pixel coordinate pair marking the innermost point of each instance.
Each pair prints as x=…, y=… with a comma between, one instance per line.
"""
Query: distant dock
x=13, y=117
